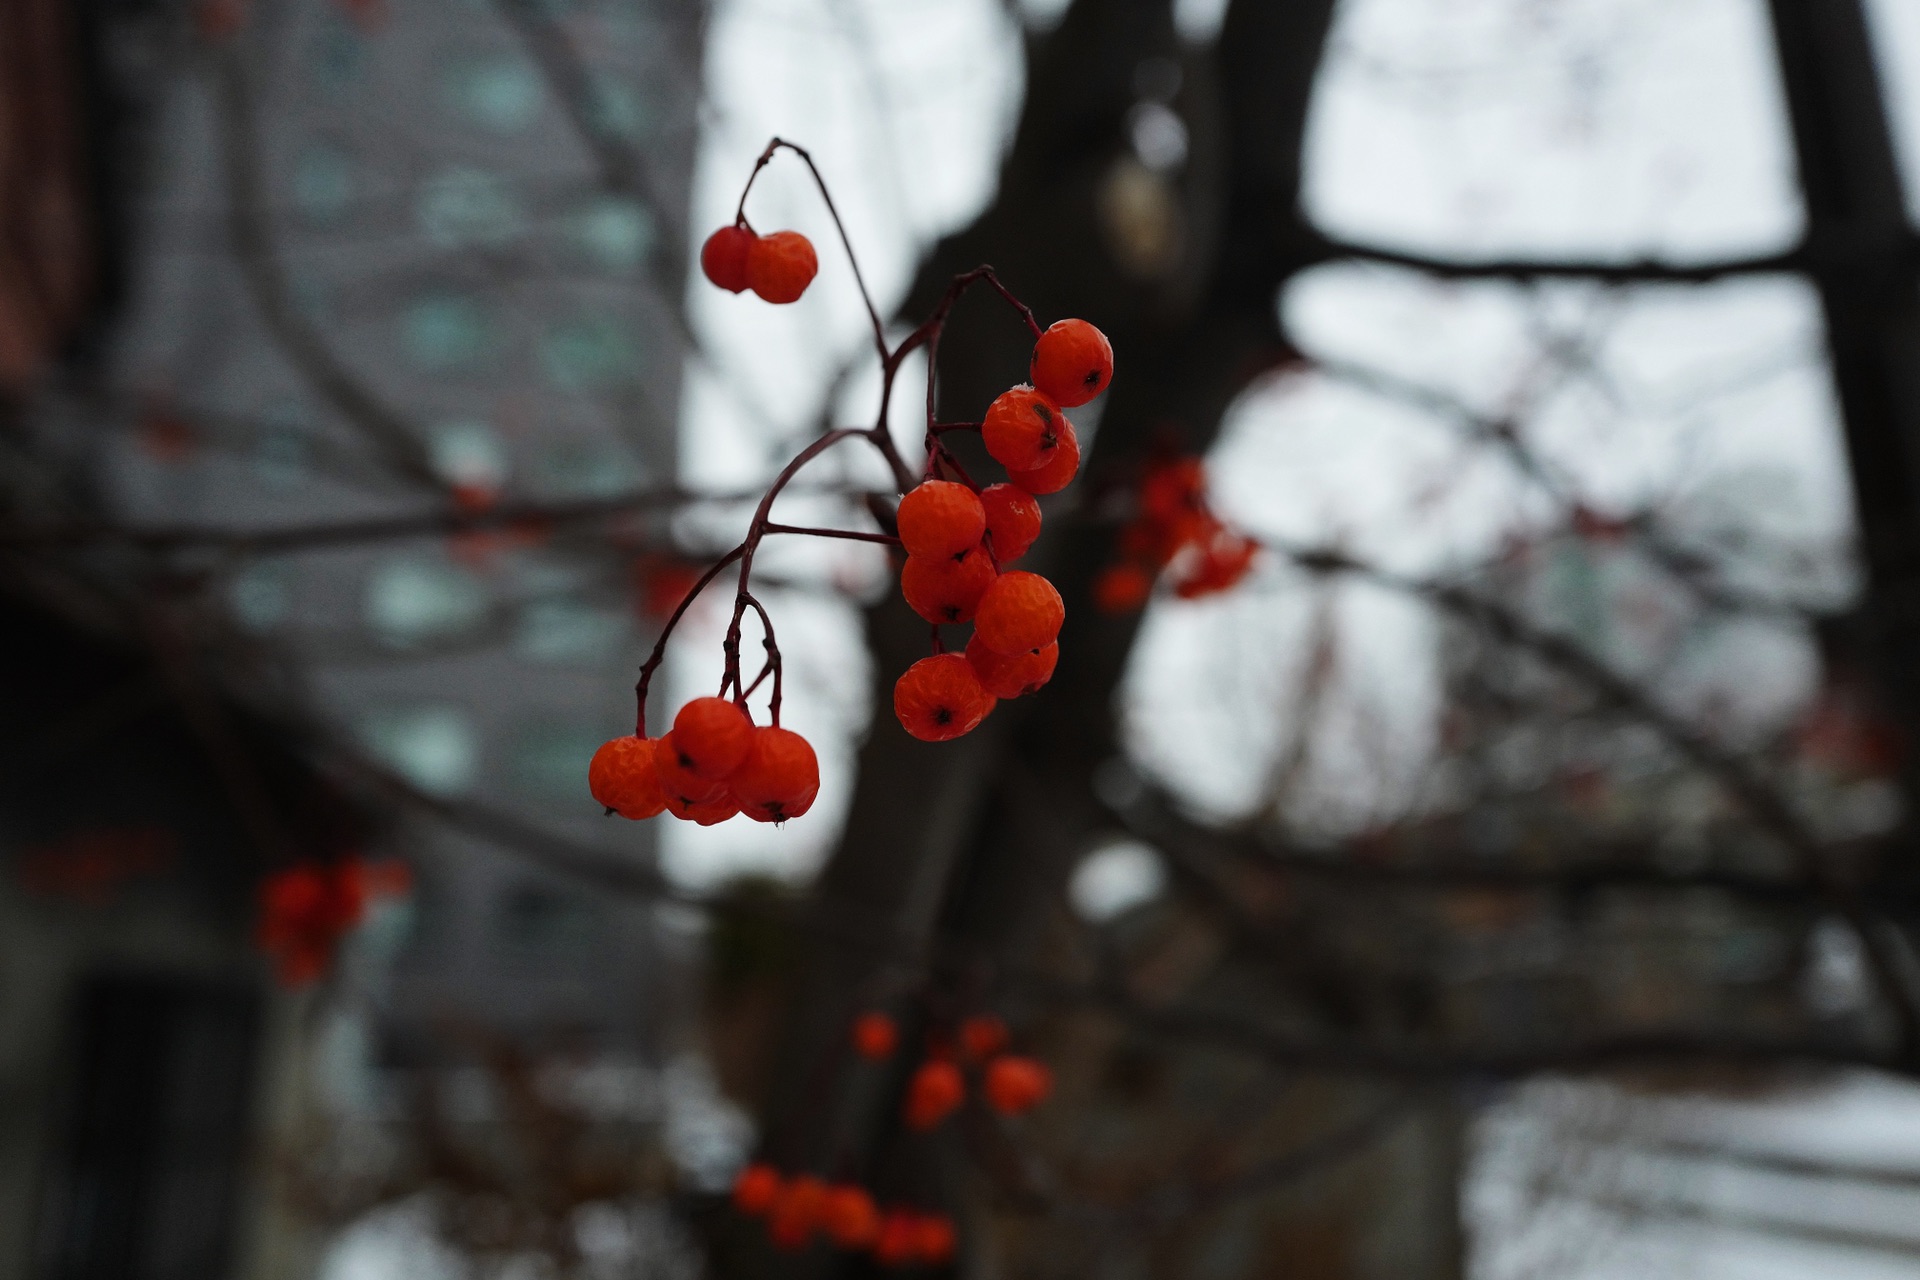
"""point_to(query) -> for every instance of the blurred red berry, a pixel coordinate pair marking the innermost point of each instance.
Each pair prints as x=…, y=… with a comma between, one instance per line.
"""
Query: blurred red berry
x=1122, y=588
x=1015, y=1084
x=781, y=266
x=935, y=1092
x=724, y=257
x=934, y=1239
x=756, y=1189
x=795, y=1214
x=982, y=1036
x=875, y=1036
x=850, y=1217
x=898, y=1241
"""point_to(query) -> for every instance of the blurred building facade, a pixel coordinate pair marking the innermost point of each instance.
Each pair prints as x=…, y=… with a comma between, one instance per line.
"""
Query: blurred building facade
x=357, y=263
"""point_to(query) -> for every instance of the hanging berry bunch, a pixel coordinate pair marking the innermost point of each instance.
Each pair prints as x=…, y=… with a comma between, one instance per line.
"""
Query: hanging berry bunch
x=802, y=1209
x=958, y=538
x=1009, y=1083
x=306, y=909
x=1174, y=531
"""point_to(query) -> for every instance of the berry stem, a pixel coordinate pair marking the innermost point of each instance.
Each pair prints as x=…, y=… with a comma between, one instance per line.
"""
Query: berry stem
x=652, y=663
x=854, y=534
x=740, y=215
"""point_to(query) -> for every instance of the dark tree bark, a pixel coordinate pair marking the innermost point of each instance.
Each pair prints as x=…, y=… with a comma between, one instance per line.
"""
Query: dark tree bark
x=969, y=841
x=1860, y=252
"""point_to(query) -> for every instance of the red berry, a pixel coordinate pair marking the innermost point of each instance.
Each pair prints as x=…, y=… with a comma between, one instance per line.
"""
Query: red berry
x=941, y=518
x=707, y=812
x=946, y=588
x=935, y=1092
x=940, y=698
x=781, y=266
x=711, y=736
x=1014, y=1085
x=1023, y=429
x=1122, y=588
x=1056, y=474
x=898, y=1244
x=756, y=1189
x=1013, y=521
x=795, y=1214
x=1225, y=561
x=1009, y=675
x=622, y=778
x=933, y=1239
x=982, y=1036
x=724, y=257
x=1173, y=489
x=680, y=785
x=778, y=779
x=1072, y=362
x=1020, y=611
x=875, y=1036
x=850, y=1217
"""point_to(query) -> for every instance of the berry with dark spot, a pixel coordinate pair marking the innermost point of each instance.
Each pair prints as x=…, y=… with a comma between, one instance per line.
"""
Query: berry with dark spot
x=1072, y=362
x=946, y=588
x=1023, y=428
x=940, y=698
x=941, y=518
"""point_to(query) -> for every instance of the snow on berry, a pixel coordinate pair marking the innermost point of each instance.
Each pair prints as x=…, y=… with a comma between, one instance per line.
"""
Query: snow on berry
x=941, y=518
x=940, y=698
x=781, y=266
x=1023, y=429
x=1072, y=362
x=1020, y=611
x=724, y=257
x=1013, y=520
x=946, y=588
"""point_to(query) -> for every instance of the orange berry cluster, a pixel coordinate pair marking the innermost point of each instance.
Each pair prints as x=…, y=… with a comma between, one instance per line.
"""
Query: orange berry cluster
x=778, y=267
x=1172, y=528
x=1010, y=1084
x=306, y=909
x=713, y=764
x=801, y=1209
x=959, y=539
